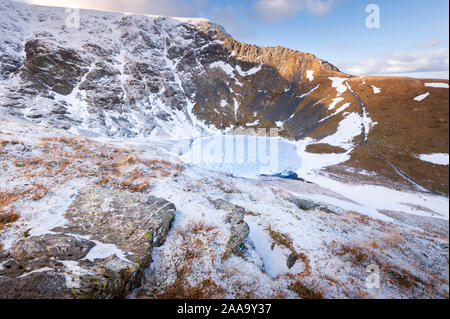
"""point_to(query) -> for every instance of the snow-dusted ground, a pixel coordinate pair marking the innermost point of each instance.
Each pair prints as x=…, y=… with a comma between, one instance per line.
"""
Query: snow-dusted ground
x=221, y=153
x=334, y=242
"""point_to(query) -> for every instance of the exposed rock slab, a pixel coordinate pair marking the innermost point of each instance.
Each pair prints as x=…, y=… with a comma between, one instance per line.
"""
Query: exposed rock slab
x=239, y=228
x=100, y=253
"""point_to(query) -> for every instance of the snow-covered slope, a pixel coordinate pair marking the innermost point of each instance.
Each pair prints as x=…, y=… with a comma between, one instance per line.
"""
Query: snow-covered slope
x=115, y=75
x=67, y=196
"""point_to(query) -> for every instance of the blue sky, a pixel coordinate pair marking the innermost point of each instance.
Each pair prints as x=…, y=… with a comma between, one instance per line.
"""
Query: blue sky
x=413, y=37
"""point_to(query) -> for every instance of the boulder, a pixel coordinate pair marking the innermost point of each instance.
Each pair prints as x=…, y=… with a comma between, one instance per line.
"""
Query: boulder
x=101, y=252
x=291, y=260
x=303, y=203
x=239, y=228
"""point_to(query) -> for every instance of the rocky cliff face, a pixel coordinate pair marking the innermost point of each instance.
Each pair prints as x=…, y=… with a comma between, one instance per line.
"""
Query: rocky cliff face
x=134, y=75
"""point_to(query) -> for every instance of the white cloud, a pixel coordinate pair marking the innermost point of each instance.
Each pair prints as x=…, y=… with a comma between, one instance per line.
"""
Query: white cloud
x=184, y=8
x=428, y=43
x=275, y=10
x=401, y=63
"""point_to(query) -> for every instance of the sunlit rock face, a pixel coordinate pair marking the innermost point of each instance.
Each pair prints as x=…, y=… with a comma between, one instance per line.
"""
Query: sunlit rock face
x=129, y=75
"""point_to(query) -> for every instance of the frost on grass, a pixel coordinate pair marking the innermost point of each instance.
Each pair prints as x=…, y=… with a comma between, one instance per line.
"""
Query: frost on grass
x=293, y=250
x=41, y=172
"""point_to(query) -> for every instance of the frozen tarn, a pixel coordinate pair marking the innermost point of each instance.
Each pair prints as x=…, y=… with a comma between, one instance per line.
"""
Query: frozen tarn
x=310, y=75
x=243, y=155
x=421, y=97
x=436, y=158
x=437, y=85
x=375, y=89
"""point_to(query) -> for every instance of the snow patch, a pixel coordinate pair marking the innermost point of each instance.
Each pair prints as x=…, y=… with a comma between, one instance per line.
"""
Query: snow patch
x=421, y=97
x=338, y=84
x=252, y=71
x=375, y=89
x=349, y=128
x=436, y=158
x=310, y=75
x=437, y=85
x=335, y=102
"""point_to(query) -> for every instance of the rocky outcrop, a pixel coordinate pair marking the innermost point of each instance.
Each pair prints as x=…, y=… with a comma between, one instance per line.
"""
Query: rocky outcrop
x=303, y=203
x=235, y=217
x=101, y=252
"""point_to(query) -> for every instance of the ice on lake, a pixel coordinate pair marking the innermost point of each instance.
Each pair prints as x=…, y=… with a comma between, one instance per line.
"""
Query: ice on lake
x=243, y=155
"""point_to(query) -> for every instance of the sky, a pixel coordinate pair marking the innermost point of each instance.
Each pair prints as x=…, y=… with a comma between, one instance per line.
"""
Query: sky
x=412, y=37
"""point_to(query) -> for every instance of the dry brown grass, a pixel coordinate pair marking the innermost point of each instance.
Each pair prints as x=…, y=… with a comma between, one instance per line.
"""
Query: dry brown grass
x=7, y=218
x=7, y=198
x=281, y=239
x=80, y=157
x=359, y=254
x=224, y=187
x=394, y=239
x=201, y=227
x=321, y=148
x=352, y=216
x=401, y=277
x=137, y=180
x=56, y=160
x=3, y=143
x=38, y=191
x=306, y=292
x=284, y=240
x=194, y=239
x=250, y=213
x=207, y=289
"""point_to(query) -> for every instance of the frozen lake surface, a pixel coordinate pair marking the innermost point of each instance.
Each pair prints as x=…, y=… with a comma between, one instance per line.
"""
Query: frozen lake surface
x=244, y=155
